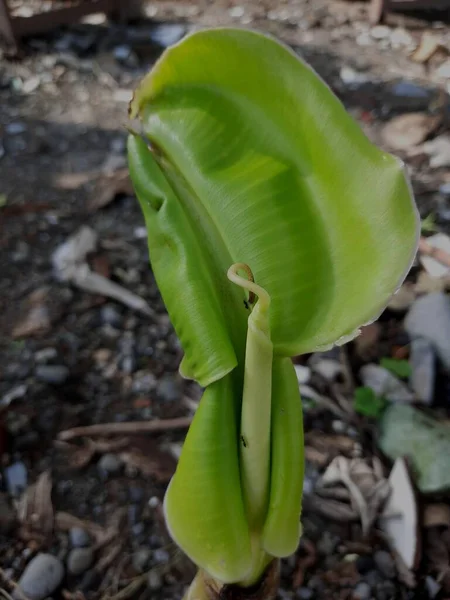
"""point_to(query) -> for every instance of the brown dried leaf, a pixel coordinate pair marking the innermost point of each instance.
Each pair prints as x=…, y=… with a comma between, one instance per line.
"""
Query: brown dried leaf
x=109, y=186
x=65, y=521
x=72, y=181
x=436, y=515
x=409, y=130
x=159, y=465
x=429, y=44
x=35, y=510
x=316, y=457
x=332, y=509
x=34, y=315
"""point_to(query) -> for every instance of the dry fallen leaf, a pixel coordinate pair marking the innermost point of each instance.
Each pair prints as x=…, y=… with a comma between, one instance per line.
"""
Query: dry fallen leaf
x=35, y=510
x=365, y=482
x=65, y=521
x=35, y=317
x=399, y=519
x=108, y=187
x=409, y=130
x=429, y=44
x=436, y=515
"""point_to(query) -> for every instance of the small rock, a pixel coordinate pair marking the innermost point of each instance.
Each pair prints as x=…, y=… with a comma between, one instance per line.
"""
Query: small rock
x=169, y=388
x=423, y=370
x=7, y=516
x=362, y=591
x=45, y=355
x=138, y=529
x=154, y=580
x=141, y=559
x=386, y=590
x=438, y=150
x=15, y=128
x=14, y=394
x=327, y=368
x=304, y=593
x=380, y=32
x=16, y=476
x=109, y=464
x=161, y=556
x=42, y=577
x=167, y=34
x=53, y=374
x=90, y=580
x=237, y=12
x=364, y=564
x=327, y=543
x=303, y=373
x=429, y=318
x=110, y=315
x=373, y=577
x=385, y=384
x=79, y=560
x=433, y=587
x=79, y=537
x=385, y=563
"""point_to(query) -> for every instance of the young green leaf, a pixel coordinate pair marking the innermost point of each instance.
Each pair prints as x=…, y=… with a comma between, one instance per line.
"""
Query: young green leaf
x=367, y=403
x=399, y=367
x=268, y=169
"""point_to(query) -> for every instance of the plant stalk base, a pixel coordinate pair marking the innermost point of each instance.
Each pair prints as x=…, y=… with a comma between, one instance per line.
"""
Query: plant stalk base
x=205, y=587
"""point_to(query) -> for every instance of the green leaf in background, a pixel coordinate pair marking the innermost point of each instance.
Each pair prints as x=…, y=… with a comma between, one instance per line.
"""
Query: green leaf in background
x=367, y=403
x=398, y=367
x=261, y=164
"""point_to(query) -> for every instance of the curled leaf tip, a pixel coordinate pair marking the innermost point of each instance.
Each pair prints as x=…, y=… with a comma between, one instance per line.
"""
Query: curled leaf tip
x=248, y=284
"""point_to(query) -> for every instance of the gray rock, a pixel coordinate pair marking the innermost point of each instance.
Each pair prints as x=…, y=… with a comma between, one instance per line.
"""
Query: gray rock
x=362, y=591
x=386, y=590
x=141, y=559
x=422, y=359
x=110, y=315
x=42, y=577
x=79, y=560
x=154, y=580
x=406, y=431
x=167, y=34
x=385, y=563
x=385, y=384
x=429, y=318
x=16, y=476
x=169, y=388
x=54, y=374
x=79, y=537
x=15, y=128
x=45, y=354
x=304, y=593
x=109, y=464
x=161, y=556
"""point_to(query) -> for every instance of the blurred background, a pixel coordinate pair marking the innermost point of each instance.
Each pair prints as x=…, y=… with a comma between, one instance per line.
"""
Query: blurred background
x=85, y=341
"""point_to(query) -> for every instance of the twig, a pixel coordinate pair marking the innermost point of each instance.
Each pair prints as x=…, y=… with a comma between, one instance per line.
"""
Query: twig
x=436, y=253
x=129, y=590
x=17, y=589
x=126, y=428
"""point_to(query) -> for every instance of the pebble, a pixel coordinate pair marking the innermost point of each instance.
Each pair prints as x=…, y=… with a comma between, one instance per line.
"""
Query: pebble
x=79, y=537
x=79, y=560
x=42, y=577
x=154, y=580
x=90, y=580
x=429, y=318
x=110, y=315
x=161, y=556
x=109, y=464
x=46, y=354
x=385, y=563
x=169, y=388
x=54, y=374
x=386, y=590
x=16, y=476
x=364, y=564
x=141, y=559
x=380, y=32
x=327, y=543
x=385, y=384
x=423, y=370
x=15, y=393
x=167, y=34
x=362, y=591
x=15, y=128
x=304, y=593
x=373, y=578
